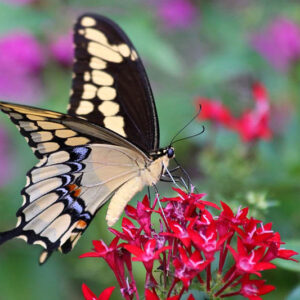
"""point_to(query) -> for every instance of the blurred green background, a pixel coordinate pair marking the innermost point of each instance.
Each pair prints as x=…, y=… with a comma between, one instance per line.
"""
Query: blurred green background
x=214, y=49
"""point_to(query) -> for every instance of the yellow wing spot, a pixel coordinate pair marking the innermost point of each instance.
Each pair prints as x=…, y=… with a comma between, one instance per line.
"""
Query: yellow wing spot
x=97, y=63
x=27, y=181
x=58, y=157
x=4, y=108
x=19, y=221
x=35, y=118
x=22, y=237
x=84, y=108
x=41, y=136
x=49, y=125
x=31, y=111
x=41, y=243
x=96, y=36
x=87, y=76
x=116, y=124
x=43, y=257
x=81, y=31
x=24, y=200
x=88, y=22
x=109, y=108
x=89, y=91
x=47, y=147
x=102, y=78
x=28, y=126
x=76, y=141
x=65, y=133
x=134, y=55
x=124, y=50
x=16, y=116
x=104, y=52
x=107, y=93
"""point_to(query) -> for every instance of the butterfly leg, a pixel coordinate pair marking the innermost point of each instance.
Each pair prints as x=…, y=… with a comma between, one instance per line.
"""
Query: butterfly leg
x=149, y=194
x=159, y=203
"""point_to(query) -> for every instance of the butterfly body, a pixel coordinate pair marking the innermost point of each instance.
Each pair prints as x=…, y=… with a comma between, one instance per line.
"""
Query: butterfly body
x=105, y=148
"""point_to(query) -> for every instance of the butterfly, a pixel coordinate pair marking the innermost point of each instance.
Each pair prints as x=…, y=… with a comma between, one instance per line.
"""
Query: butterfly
x=105, y=148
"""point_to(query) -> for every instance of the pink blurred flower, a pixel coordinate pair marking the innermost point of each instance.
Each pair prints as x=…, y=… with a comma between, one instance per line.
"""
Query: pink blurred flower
x=176, y=13
x=5, y=159
x=279, y=43
x=21, y=60
x=62, y=49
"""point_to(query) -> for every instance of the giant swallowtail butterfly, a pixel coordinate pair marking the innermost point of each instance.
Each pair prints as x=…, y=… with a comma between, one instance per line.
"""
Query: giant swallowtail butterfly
x=105, y=147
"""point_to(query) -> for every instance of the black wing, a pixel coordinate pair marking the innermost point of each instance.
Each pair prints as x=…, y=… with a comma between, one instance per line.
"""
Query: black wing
x=110, y=86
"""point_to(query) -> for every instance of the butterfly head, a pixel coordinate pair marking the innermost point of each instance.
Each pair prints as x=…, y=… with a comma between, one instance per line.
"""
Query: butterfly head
x=168, y=152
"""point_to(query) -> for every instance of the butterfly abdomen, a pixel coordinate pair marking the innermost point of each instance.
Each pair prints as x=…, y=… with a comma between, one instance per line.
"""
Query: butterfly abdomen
x=148, y=176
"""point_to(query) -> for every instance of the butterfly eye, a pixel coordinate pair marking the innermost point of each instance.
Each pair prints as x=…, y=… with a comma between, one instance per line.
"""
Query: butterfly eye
x=170, y=152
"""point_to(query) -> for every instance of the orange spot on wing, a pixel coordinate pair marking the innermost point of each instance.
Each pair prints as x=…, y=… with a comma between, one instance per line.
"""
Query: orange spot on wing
x=81, y=224
x=77, y=192
x=72, y=187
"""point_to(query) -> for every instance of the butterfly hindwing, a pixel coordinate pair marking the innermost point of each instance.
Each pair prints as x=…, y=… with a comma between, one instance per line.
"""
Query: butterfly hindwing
x=72, y=180
x=110, y=87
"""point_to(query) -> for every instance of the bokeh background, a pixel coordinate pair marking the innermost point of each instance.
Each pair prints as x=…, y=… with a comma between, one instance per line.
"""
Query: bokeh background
x=193, y=51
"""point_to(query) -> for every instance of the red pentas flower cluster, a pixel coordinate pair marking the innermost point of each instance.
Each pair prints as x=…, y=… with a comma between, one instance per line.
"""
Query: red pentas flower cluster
x=251, y=125
x=220, y=254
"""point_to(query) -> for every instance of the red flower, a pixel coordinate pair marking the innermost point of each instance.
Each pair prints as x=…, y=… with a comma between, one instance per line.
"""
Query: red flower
x=179, y=232
x=148, y=254
x=186, y=268
x=207, y=240
x=252, y=289
x=130, y=232
x=195, y=238
x=142, y=214
x=89, y=295
x=102, y=250
x=247, y=263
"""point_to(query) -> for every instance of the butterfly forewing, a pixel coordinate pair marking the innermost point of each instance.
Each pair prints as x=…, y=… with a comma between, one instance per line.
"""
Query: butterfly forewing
x=110, y=87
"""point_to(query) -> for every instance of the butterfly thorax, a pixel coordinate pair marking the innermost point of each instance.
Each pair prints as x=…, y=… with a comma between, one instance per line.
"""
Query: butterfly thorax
x=158, y=165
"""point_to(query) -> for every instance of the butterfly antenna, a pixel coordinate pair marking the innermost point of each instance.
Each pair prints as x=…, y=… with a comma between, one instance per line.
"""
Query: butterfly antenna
x=185, y=126
x=191, y=136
